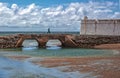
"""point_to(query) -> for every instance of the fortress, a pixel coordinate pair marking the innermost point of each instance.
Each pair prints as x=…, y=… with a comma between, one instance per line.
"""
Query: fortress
x=100, y=27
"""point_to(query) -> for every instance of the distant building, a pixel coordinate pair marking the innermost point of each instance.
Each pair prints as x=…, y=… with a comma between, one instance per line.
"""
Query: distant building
x=100, y=27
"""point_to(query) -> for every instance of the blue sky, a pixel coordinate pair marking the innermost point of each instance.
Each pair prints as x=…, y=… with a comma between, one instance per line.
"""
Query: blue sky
x=59, y=15
x=42, y=2
x=49, y=2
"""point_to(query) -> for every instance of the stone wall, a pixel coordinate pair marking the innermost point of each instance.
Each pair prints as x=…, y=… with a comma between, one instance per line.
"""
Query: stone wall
x=8, y=41
x=100, y=27
x=89, y=41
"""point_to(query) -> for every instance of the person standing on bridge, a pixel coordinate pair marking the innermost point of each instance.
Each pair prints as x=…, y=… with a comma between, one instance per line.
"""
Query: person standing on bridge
x=48, y=30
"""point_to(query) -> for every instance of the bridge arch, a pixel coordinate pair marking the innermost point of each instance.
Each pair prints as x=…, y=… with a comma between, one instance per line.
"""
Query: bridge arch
x=43, y=41
x=30, y=43
x=54, y=42
x=66, y=40
x=21, y=41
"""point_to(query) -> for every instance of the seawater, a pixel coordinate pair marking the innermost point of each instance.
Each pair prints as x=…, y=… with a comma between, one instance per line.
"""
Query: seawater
x=57, y=52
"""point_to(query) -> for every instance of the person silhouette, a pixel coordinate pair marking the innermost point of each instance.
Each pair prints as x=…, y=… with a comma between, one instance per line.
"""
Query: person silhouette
x=48, y=30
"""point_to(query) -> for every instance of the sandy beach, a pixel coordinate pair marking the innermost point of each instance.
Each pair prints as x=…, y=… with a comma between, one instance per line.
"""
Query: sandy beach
x=102, y=67
x=108, y=46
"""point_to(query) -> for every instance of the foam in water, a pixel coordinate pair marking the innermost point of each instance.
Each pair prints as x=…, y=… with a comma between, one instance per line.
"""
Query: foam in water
x=29, y=48
x=53, y=48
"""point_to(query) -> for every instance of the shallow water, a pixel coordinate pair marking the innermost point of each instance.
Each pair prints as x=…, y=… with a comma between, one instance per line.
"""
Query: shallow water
x=57, y=52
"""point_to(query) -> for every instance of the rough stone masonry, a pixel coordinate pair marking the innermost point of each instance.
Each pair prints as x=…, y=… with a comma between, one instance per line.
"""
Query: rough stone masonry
x=67, y=40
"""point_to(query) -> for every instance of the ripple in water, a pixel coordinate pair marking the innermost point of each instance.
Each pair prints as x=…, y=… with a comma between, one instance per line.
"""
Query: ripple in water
x=53, y=48
x=29, y=48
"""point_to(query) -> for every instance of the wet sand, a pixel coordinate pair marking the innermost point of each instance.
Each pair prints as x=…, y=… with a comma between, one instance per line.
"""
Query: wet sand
x=19, y=57
x=108, y=46
x=101, y=67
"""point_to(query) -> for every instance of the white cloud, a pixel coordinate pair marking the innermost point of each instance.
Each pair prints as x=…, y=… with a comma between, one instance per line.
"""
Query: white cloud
x=57, y=17
x=14, y=6
x=102, y=11
x=27, y=10
x=116, y=14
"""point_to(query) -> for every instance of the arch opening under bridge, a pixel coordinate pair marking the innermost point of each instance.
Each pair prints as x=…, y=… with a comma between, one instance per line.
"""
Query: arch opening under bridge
x=64, y=40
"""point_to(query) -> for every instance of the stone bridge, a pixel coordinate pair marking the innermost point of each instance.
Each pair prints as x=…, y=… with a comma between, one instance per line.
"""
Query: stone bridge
x=67, y=40
x=17, y=40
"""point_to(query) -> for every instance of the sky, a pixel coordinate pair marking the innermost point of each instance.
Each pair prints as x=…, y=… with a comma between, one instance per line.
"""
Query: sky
x=59, y=15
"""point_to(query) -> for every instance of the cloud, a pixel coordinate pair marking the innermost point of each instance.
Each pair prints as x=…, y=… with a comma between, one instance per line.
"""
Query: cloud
x=116, y=14
x=59, y=17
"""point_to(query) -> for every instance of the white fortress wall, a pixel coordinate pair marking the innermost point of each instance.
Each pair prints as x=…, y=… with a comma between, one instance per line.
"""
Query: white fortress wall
x=117, y=27
x=104, y=27
x=90, y=28
x=100, y=27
